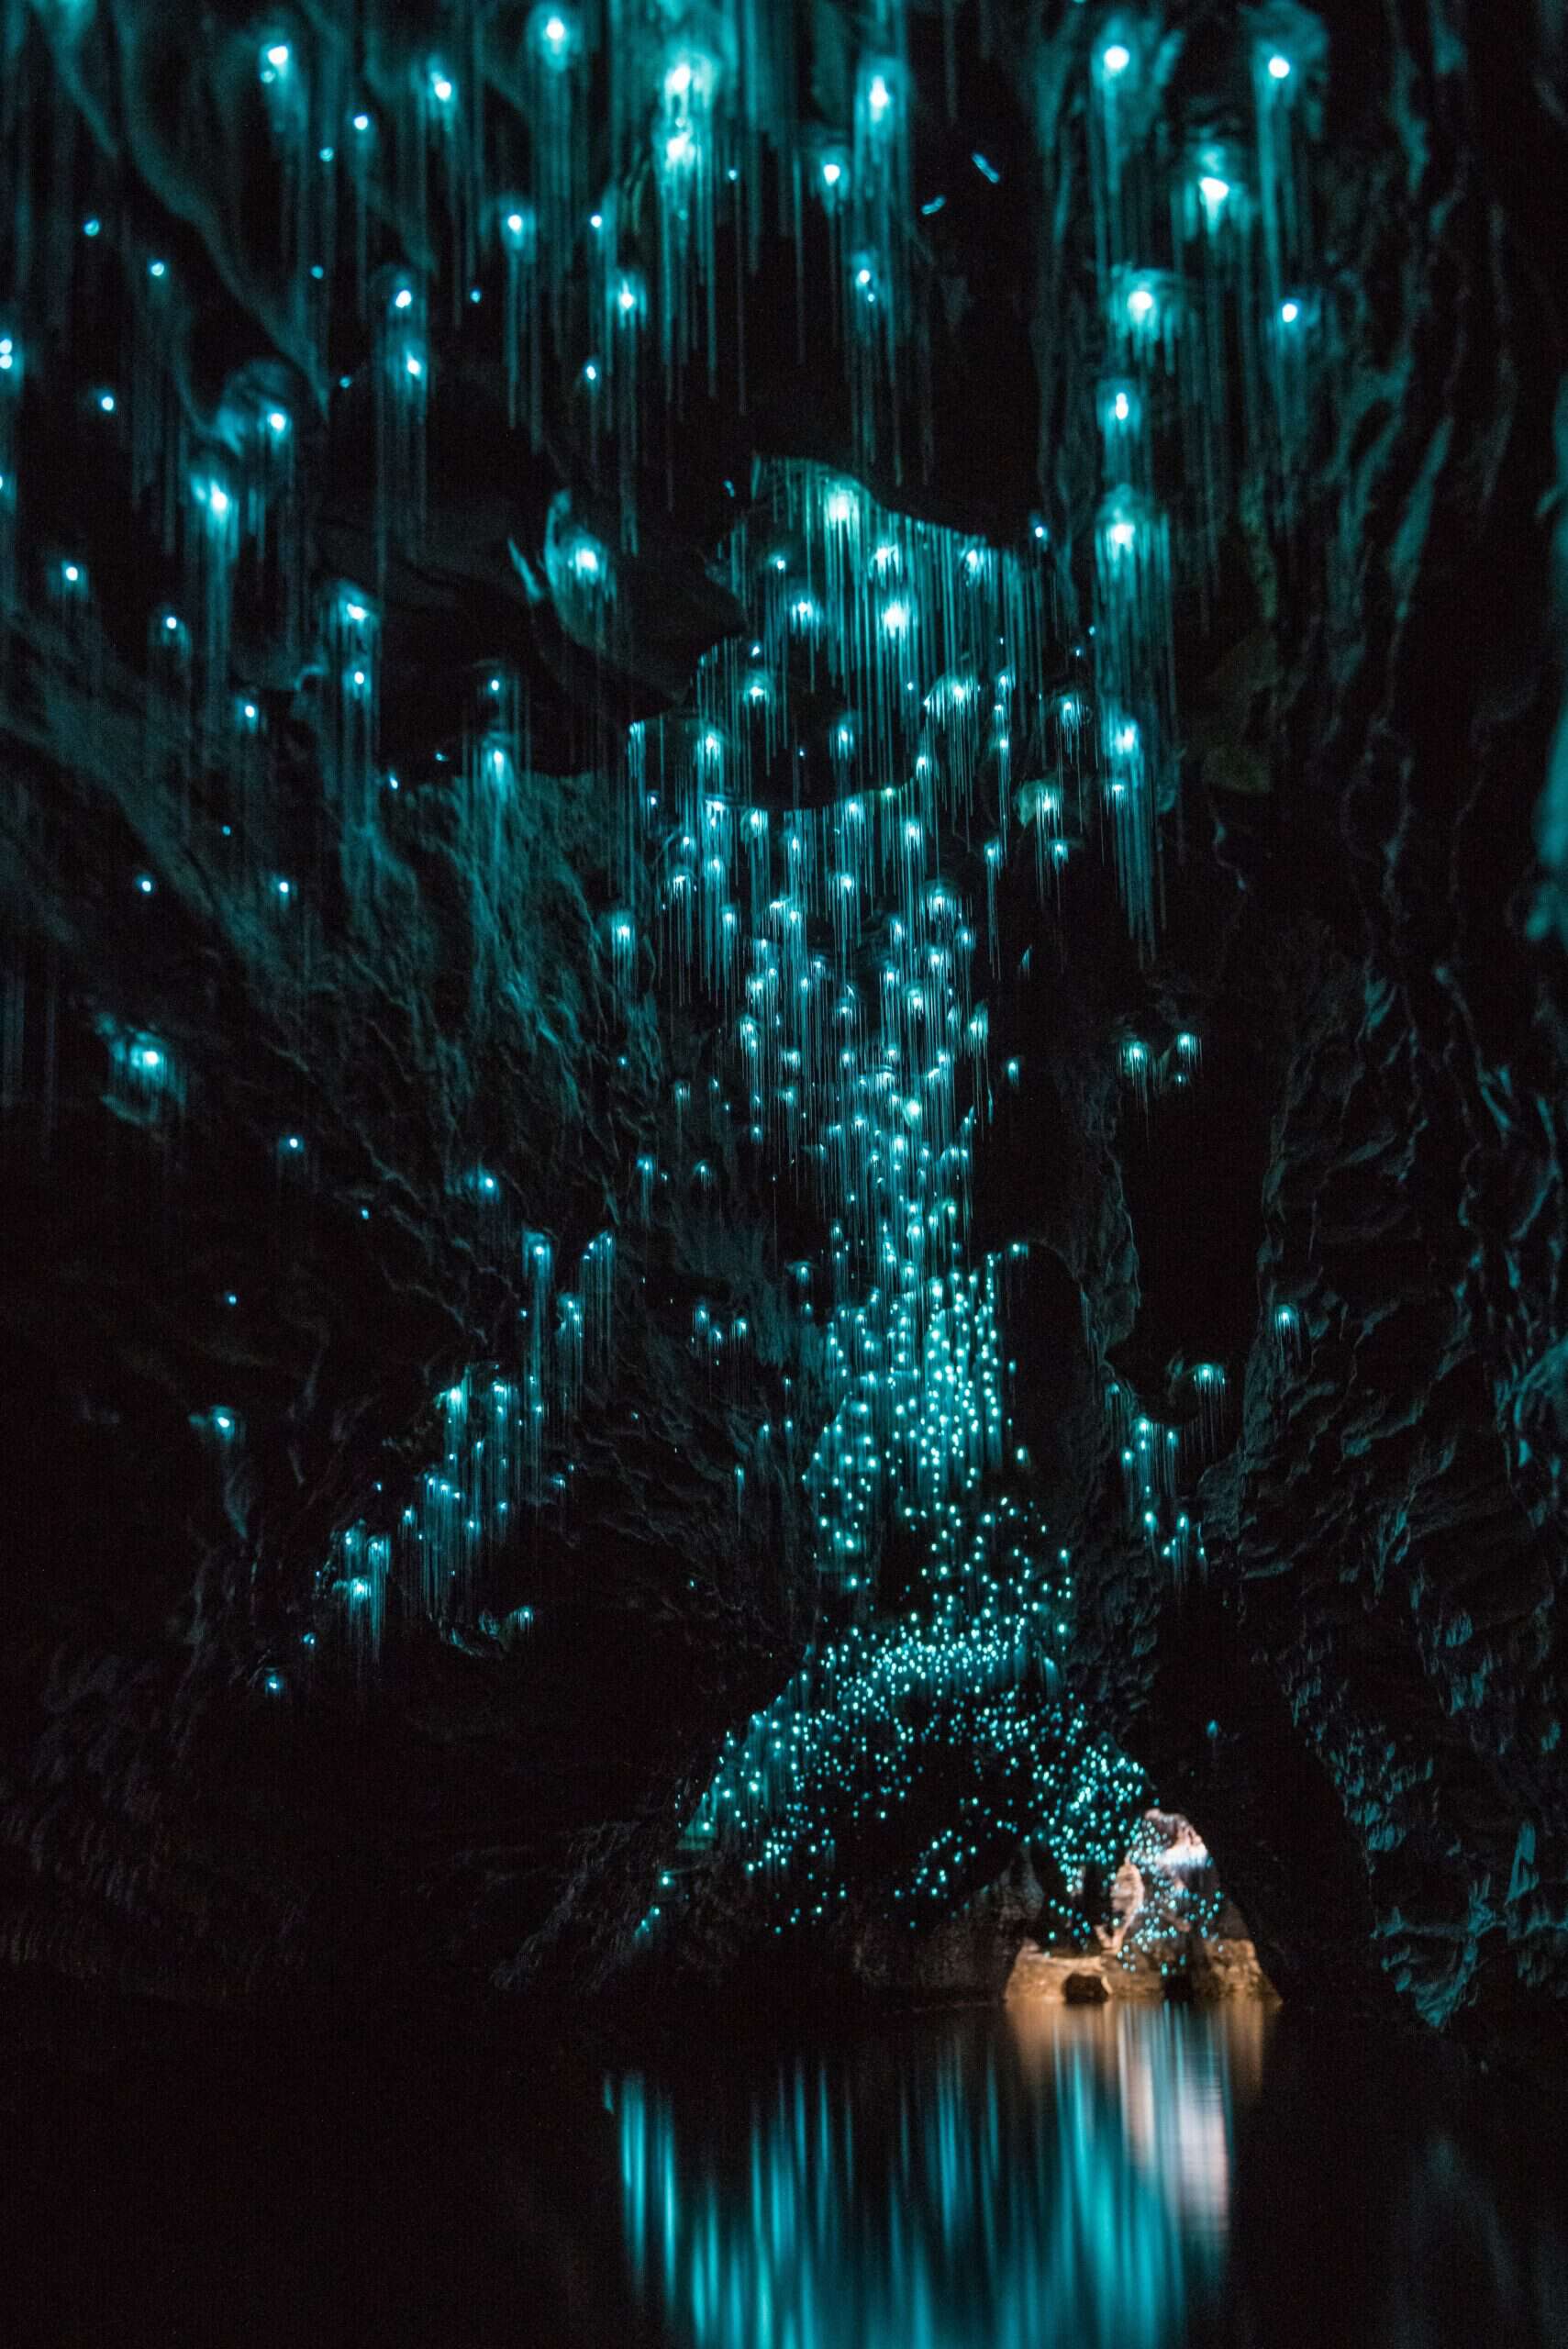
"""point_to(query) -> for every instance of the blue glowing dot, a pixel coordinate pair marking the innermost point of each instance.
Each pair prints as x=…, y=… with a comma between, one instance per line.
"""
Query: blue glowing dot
x=1279, y=68
x=93, y=227
x=361, y=122
x=157, y=268
x=291, y=1145
x=106, y=402
x=273, y=1683
x=230, y=1298
x=554, y=38
x=71, y=573
x=146, y=884
x=1289, y=313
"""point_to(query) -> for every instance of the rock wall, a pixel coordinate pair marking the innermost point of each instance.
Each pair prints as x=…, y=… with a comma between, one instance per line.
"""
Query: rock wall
x=1352, y=1672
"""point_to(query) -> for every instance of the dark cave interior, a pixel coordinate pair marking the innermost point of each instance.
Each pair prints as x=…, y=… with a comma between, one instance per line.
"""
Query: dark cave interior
x=785, y=845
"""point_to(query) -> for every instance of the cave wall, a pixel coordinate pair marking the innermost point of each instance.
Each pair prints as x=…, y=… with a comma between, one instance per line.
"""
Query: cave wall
x=1361, y=916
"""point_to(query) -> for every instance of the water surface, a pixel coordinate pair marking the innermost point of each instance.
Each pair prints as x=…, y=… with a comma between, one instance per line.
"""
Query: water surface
x=1126, y=2178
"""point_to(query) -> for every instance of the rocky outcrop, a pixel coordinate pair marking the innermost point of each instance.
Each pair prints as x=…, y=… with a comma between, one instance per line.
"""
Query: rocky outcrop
x=1202, y=1970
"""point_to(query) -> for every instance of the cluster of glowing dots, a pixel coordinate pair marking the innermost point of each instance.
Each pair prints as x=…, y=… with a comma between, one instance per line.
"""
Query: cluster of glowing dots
x=499, y=1430
x=969, y=1678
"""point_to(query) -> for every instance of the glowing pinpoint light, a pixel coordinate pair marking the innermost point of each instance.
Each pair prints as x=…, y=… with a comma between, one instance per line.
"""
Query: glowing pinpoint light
x=1116, y=59
x=1279, y=68
x=1121, y=408
x=277, y=423
x=274, y=1684
x=441, y=89
x=896, y=620
x=404, y=298
x=91, y=227
x=157, y=268
x=832, y=174
x=1289, y=313
x=585, y=560
x=1141, y=302
x=414, y=365
x=106, y=399
x=171, y=624
x=146, y=884
x=627, y=297
x=879, y=97
x=1122, y=534
x=361, y=122
x=276, y=60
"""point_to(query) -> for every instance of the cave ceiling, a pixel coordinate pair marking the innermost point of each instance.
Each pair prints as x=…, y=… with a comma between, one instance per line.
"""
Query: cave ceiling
x=783, y=851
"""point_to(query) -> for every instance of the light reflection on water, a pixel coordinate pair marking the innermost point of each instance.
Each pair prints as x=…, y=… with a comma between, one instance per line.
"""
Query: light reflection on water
x=1059, y=2178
